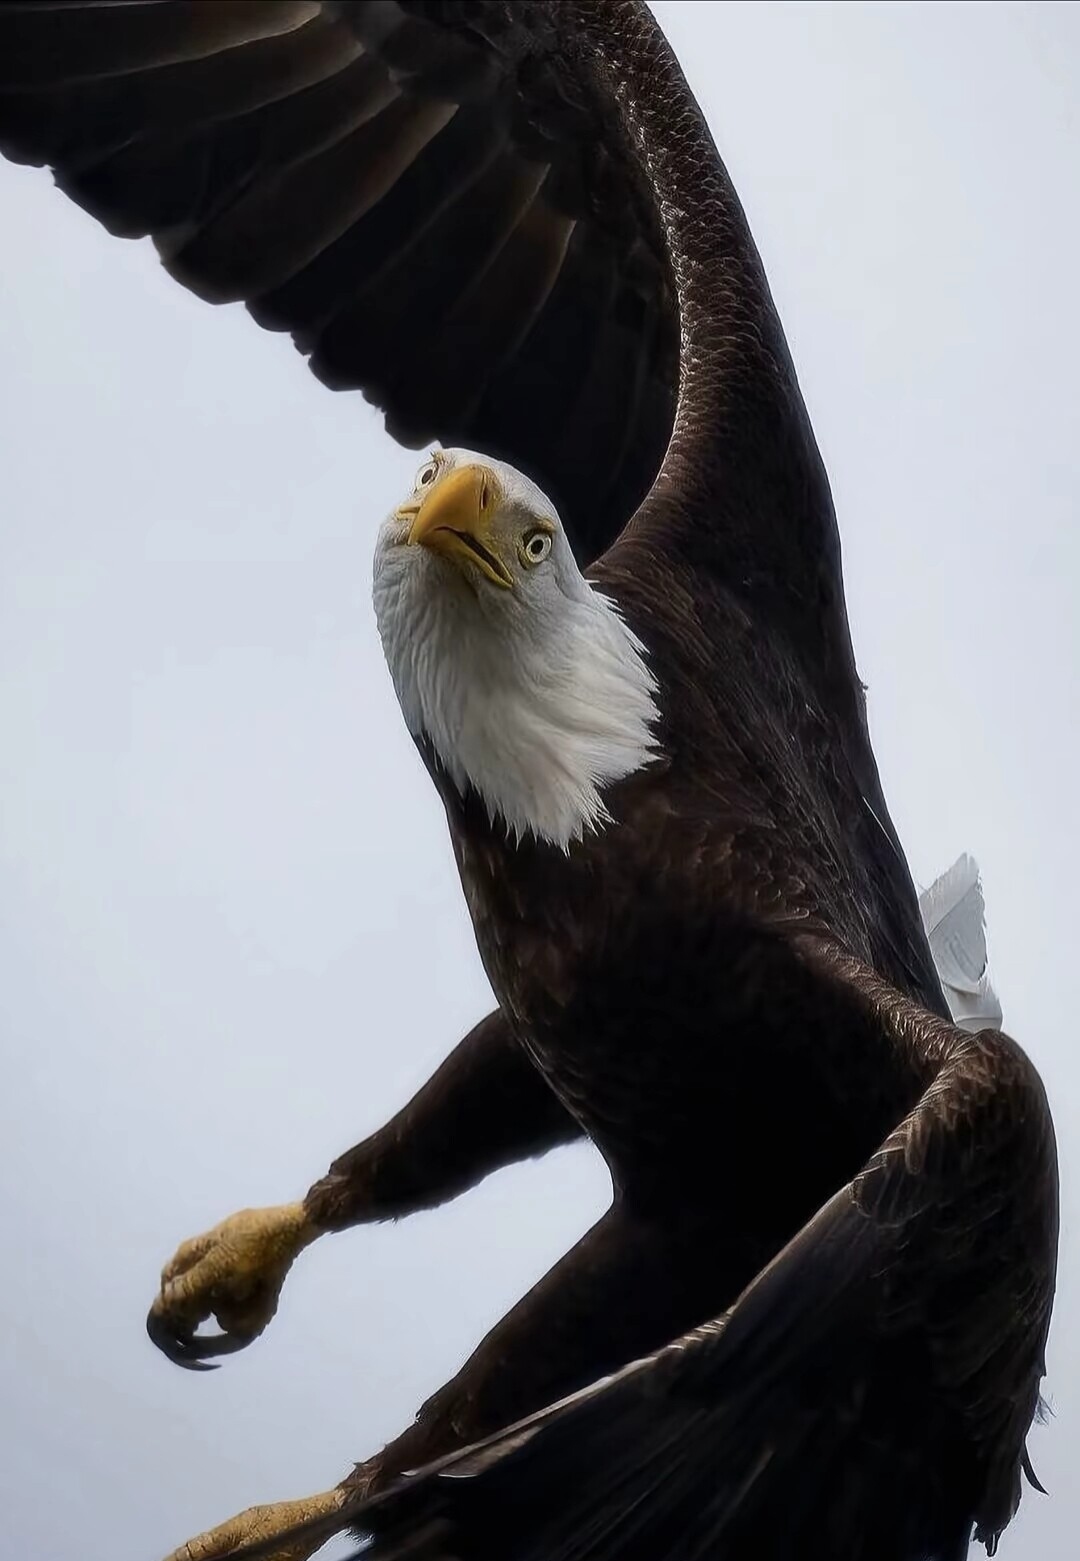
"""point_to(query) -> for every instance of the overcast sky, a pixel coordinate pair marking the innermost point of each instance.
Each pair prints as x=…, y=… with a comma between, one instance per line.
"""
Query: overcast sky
x=214, y=831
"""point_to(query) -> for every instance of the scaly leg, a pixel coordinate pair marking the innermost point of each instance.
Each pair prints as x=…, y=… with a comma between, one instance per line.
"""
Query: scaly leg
x=486, y=1107
x=255, y=1525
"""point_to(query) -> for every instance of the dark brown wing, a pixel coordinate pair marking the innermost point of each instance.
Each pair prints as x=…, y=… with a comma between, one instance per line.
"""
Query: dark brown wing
x=431, y=197
x=493, y=218
x=868, y=1395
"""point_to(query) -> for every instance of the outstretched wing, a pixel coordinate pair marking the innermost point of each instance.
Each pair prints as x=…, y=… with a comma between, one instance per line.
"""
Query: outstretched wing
x=869, y=1394
x=432, y=198
x=505, y=222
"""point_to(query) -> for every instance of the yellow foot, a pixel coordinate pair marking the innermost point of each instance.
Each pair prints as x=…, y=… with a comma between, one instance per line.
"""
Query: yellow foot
x=234, y=1272
x=260, y=1525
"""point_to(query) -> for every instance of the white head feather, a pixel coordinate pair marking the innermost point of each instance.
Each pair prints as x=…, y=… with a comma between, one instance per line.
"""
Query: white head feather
x=538, y=696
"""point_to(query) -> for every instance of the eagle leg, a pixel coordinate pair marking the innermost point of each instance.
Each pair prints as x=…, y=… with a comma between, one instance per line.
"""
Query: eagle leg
x=257, y=1526
x=485, y=1107
x=235, y=1273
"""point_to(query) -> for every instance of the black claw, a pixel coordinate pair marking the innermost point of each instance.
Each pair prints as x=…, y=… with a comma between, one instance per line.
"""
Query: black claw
x=192, y=1352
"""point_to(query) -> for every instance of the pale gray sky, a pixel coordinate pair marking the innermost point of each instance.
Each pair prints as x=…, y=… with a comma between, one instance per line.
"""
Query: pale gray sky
x=232, y=937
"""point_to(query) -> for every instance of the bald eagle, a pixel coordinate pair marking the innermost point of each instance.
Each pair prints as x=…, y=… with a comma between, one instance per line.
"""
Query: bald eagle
x=813, y=1320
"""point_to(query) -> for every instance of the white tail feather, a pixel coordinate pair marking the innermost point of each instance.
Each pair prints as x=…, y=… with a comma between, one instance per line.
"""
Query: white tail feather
x=954, y=918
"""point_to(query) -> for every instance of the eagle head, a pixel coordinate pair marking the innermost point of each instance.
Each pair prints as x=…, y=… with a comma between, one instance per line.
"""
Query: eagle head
x=521, y=675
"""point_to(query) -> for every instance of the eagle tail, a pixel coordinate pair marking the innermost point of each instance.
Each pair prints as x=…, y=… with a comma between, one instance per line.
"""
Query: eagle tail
x=954, y=919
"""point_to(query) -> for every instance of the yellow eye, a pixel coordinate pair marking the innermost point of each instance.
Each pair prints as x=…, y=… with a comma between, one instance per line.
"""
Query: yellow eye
x=427, y=473
x=535, y=546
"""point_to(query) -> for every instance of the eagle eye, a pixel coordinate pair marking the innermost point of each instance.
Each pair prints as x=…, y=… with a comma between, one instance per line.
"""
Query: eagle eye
x=535, y=546
x=427, y=473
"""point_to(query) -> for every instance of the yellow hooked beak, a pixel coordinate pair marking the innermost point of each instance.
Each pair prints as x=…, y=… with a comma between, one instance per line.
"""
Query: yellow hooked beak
x=457, y=520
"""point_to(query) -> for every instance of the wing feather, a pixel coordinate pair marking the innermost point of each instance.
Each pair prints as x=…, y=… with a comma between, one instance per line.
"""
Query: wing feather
x=398, y=185
x=297, y=156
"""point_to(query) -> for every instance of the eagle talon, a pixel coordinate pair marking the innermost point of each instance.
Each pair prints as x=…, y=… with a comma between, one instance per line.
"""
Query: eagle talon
x=233, y=1272
x=189, y=1350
